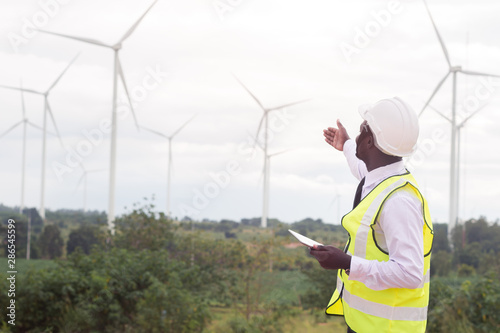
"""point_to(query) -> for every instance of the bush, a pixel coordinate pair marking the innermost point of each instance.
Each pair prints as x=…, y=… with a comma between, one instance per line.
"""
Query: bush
x=465, y=270
x=474, y=307
x=115, y=291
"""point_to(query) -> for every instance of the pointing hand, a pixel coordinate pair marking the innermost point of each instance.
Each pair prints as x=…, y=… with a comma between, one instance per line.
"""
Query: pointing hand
x=336, y=137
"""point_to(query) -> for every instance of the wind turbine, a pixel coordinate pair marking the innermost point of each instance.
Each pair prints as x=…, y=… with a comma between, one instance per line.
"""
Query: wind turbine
x=47, y=110
x=169, y=167
x=25, y=122
x=83, y=179
x=266, y=173
x=264, y=119
x=336, y=199
x=453, y=70
x=117, y=73
x=459, y=127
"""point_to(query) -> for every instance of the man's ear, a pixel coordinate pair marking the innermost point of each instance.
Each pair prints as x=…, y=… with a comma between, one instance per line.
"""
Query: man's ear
x=369, y=142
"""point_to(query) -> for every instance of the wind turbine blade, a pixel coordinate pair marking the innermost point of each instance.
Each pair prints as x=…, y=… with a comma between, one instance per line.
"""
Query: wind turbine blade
x=257, y=143
x=22, y=98
x=434, y=92
x=471, y=115
x=54, y=123
x=80, y=181
x=477, y=73
x=439, y=113
x=36, y=126
x=154, y=132
x=258, y=129
x=132, y=28
x=122, y=77
x=11, y=128
x=184, y=125
x=81, y=39
x=333, y=201
x=64, y=71
x=289, y=104
x=248, y=91
x=443, y=46
x=22, y=89
x=282, y=152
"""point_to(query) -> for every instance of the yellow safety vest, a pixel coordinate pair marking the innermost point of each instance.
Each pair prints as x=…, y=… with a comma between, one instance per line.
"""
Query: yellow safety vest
x=390, y=310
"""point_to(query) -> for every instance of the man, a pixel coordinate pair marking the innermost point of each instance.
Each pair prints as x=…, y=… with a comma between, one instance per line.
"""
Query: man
x=383, y=272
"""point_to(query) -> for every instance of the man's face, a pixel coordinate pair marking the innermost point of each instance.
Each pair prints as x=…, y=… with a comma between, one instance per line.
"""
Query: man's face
x=364, y=134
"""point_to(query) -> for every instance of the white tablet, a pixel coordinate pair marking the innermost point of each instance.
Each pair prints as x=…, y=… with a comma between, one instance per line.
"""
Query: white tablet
x=303, y=239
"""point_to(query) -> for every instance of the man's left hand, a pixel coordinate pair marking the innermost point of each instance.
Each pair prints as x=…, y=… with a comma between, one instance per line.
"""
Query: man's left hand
x=330, y=257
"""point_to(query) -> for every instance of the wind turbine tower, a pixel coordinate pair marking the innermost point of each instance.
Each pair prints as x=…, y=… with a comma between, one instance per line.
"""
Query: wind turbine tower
x=267, y=177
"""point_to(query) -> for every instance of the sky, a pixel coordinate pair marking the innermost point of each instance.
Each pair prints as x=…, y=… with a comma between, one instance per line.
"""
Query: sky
x=182, y=61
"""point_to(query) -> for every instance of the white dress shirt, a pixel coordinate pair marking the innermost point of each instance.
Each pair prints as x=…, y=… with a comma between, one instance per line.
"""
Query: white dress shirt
x=398, y=231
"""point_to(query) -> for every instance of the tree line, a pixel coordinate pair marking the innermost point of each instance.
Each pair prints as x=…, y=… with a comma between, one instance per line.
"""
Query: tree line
x=159, y=275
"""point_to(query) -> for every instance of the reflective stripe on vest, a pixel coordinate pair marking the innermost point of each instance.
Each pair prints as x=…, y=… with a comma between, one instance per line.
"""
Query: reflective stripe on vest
x=382, y=310
x=362, y=235
x=389, y=310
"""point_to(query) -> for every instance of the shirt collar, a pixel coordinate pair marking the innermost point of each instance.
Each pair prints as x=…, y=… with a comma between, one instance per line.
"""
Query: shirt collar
x=377, y=175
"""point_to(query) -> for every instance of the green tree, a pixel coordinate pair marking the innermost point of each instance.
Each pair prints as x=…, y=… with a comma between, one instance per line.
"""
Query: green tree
x=440, y=238
x=84, y=237
x=441, y=263
x=143, y=229
x=50, y=242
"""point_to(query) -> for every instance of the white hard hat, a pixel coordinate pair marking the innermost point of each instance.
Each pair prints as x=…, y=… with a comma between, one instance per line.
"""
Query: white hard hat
x=394, y=125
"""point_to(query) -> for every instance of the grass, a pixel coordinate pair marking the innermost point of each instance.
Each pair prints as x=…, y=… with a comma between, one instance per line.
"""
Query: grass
x=304, y=321
x=23, y=265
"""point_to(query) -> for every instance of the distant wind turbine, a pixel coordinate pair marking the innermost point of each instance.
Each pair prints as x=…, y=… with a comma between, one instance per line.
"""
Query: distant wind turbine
x=266, y=172
x=459, y=128
x=25, y=122
x=83, y=179
x=47, y=110
x=264, y=120
x=117, y=73
x=453, y=206
x=169, y=167
x=336, y=199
